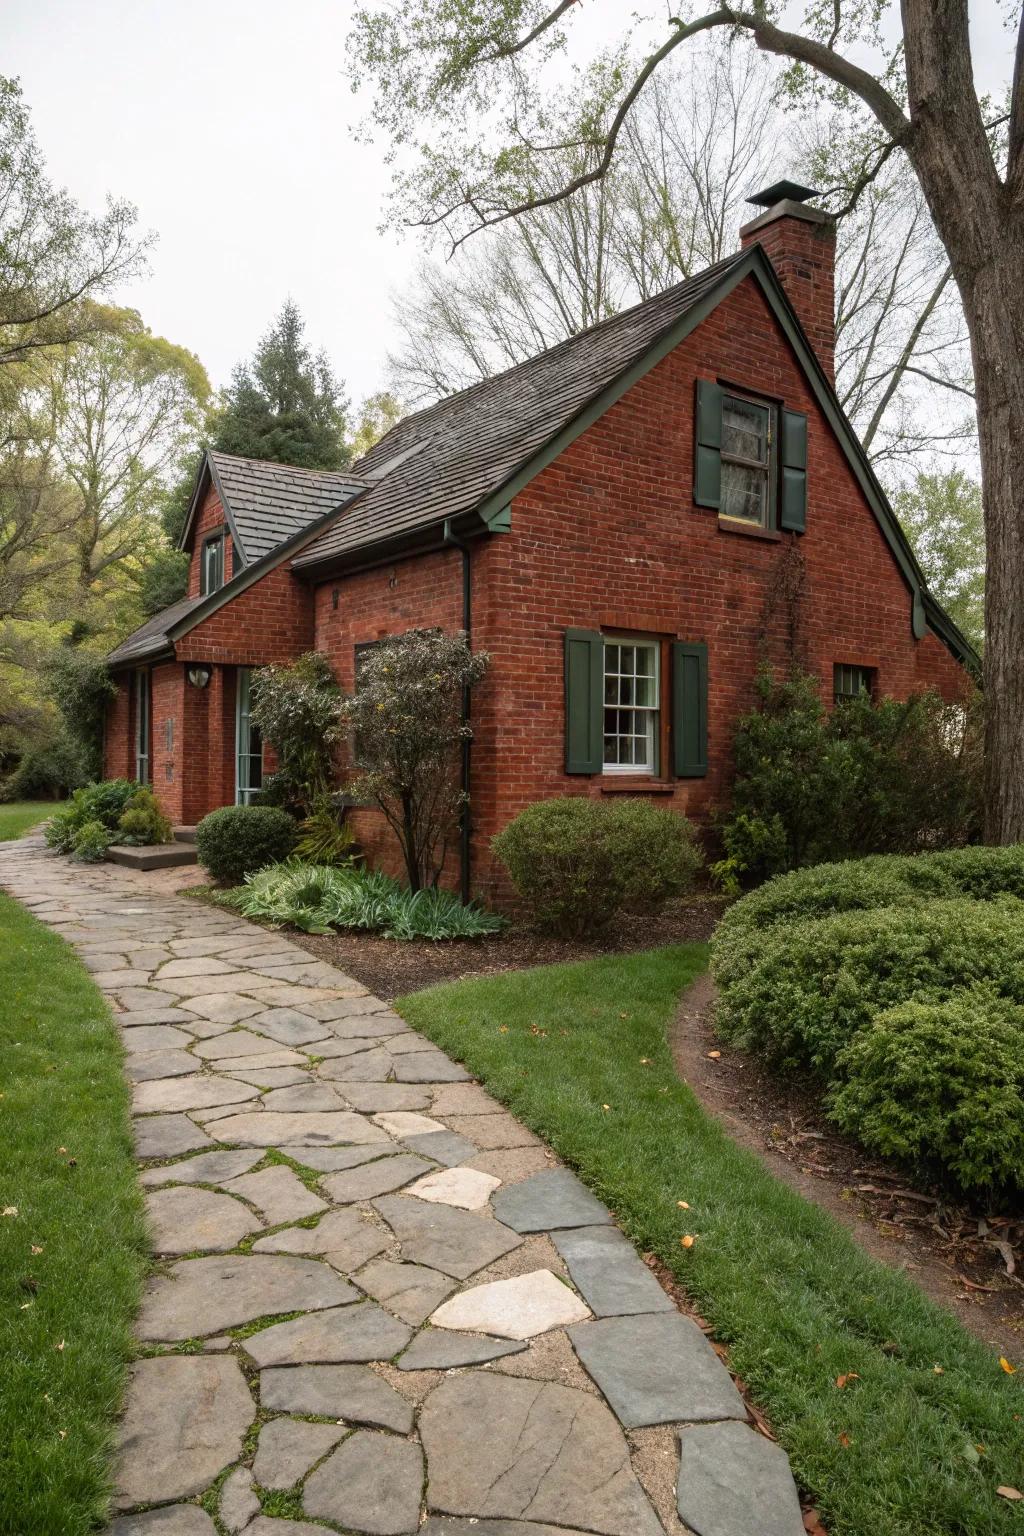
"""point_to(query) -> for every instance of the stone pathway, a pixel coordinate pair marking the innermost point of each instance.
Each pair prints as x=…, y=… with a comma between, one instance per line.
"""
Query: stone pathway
x=377, y=1304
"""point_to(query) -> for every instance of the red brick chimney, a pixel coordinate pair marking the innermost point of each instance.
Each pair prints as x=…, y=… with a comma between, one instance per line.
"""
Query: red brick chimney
x=801, y=242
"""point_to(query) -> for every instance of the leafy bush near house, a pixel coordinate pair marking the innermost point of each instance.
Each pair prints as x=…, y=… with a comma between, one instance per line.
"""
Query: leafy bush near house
x=865, y=777
x=325, y=838
x=104, y=803
x=239, y=839
x=142, y=822
x=319, y=897
x=90, y=842
x=297, y=708
x=577, y=862
x=809, y=986
x=940, y=1086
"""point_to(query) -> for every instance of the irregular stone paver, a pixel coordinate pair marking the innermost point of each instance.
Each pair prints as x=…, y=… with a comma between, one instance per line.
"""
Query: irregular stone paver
x=371, y=1483
x=207, y=1168
x=184, y=1420
x=518, y=1308
x=185, y=1220
x=557, y=1456
x=607, y=1270
x=348, y=1335
x=271, y=1128
x=456, y=1242
x=373, y=1179
x=467, y=1188
x=201, y=1296
x=278, y=1194
x=171, y=1520
x=238, y=1501
x=288, y=1448
x=410, y=1291
x=443, y=1351
x=732, y=1480
x=350, y=1392
x=657, y=1369
x=239, y=1042
x=167, y=1136
x=554, y=1198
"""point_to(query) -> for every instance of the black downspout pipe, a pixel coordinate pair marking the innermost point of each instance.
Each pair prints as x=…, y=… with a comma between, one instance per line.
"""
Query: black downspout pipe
x=452, y=539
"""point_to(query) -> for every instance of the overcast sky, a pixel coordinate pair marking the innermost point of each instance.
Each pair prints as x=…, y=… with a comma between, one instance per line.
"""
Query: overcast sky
x=228, y=123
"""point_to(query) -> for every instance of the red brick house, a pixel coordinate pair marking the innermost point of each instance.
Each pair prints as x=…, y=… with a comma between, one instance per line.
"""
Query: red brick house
x=626, y=523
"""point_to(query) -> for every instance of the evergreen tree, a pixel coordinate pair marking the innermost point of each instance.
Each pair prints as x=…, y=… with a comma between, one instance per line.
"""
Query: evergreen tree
x=286, y=403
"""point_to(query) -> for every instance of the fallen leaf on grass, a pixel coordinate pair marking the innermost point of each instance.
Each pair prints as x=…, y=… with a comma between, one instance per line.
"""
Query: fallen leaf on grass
x=687, y=1241
x=606, y=1106
x=37, y=1247
x=845, y=1377
x=938, y=1369
x=1009, y=1493
x=645, y=1061
x=812, y=1523
x=1011, y=1370
x=844, y=1440
x=714, y=1055
x=10, y=1210
x=60, y=1347
x=683, y=1205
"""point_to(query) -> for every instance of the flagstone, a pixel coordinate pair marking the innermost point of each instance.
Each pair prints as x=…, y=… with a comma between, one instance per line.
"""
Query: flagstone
x=490, y=1132
x=224, y=983
x=400, y=1123
x=170, y=1520
x=303, y=1098
x=153, y=1037
x=732, y=1481
x=342, y=1237
x=333, y=1159
x=166, y=1136
x=224, y=1008
x=374, y=1026
x=183, y=1219
x=517, y=1308
x=456, y=1242
x=184, y=1421
x=151, y=1066
x=373, y=1066
x=128, y=1018
x=346, y=1334
x=266, y=1058
x=272, y=1128
x=443, y=1147
x=238, y=1501
x=196, y=1092
x=277, y=1193
x=372, y=1483
x=288, y=1026
x=439, y=1349
x=232, y=1042
x=464, y=1187
x=195, y=965
x=271, y=1077
x=207, y=1168
x=554, y=1198
x=350, y=1392
x=287, y=1449
x=410, y=1291
x=607, y=1270
x=657, y=1369
x=331, y=1049
x=428, y=1067
x=196, y=1297
x=373, y=1179
x=371, y=1098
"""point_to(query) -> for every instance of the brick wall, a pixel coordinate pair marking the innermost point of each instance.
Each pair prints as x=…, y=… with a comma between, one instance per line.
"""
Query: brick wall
x=803, y=252
x=209, y=518
x=119, y=732
x=271, y=621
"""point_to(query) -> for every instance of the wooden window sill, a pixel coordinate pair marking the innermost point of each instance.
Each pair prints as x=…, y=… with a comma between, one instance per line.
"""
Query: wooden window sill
x=748, y=530
x=613, y=784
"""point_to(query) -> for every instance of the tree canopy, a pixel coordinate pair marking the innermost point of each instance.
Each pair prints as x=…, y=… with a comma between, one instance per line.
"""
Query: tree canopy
x=285, y=404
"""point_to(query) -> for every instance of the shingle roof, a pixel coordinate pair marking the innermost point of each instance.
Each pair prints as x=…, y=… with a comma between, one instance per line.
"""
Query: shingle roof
x=448, y=458
x=268, y=503
x=152, y=637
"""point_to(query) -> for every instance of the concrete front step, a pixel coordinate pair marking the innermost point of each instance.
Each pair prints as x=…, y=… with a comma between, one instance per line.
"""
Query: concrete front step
x=184, y=834
x=157, y=856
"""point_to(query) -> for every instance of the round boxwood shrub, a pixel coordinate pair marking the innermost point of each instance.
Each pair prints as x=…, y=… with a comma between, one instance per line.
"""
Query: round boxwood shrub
x=940, y=1086
x=235, y=841
x=576, y=862
x=90, y=843
x=142, y=822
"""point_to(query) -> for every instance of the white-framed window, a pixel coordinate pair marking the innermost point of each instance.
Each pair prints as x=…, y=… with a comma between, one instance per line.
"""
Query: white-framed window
x=143, y=723
x=248, y=743
x=632, y=700
x=211, y=573
x=746, y=460
x=852, y=682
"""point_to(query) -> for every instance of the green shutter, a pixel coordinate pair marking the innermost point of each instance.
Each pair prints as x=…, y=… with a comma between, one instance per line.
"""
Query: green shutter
x=690, y=709
x=793, y=472
x=707, y=471
x=584, y=701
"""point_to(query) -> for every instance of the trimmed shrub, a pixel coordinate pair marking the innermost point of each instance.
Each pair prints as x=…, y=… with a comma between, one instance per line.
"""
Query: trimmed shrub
x=318, y=898
x=104, y=803
x=325, y=837
x=142, y=822
x=90, y=843
x=239, y=839
x=577, y=862
x=940, y=1086
x=806, y=988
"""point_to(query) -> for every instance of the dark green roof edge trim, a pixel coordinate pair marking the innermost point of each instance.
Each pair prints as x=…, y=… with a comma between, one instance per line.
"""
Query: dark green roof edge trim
x=204, y=475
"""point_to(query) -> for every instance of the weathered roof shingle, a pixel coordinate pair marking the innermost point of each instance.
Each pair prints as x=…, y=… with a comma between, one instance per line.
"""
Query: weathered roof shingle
x=269, y=503
x=152, y=637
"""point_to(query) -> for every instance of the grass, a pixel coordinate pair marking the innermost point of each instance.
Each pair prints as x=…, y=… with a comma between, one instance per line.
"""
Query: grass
x=21, y=816
x=579, y=1052
x=72, y=1254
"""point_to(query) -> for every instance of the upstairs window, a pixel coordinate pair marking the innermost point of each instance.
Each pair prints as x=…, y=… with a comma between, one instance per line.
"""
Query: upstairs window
x=746, y=459
x=211, y=569
x=851, y=682
x=631, y=705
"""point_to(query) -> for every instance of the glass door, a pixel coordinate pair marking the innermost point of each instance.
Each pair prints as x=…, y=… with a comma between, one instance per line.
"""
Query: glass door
x=248, y=743
x=143, y=714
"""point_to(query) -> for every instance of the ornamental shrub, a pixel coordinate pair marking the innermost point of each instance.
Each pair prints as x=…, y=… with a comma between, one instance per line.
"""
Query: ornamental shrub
x=940, y=1086
x=239, y=839
x=577, y=862
x=297, y=708
x=325, y=837
x=806, y=987
x=103, y=803
x=142, y=822
x=90, y=843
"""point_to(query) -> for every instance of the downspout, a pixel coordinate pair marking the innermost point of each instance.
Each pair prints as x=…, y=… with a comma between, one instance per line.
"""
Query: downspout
x=453, y=541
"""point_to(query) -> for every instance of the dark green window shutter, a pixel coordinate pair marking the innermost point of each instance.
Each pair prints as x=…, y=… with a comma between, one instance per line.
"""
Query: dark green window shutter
x=689, y=709
x=707, y=471
x=793, y=476
x=584, y=701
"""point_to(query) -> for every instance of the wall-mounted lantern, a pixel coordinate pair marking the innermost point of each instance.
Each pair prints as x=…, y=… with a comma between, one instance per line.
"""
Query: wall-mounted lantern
x=198, y=676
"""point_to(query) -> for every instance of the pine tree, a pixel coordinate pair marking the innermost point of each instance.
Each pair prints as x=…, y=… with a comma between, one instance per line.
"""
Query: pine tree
x=286, y=404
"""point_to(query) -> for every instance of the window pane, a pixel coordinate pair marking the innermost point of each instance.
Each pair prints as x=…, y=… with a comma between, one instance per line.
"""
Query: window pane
x=631, y=712
x=745, y=430
x=744, y=492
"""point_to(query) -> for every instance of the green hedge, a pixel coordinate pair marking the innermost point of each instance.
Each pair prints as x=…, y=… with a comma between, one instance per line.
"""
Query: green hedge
x=239, y=839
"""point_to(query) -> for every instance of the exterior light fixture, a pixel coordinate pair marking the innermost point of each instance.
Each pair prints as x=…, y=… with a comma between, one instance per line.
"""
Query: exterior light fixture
x=198, y=676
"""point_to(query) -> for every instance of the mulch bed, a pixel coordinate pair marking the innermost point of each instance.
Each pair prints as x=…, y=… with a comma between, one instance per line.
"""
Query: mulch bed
x=391, y=969
x=972, y=1260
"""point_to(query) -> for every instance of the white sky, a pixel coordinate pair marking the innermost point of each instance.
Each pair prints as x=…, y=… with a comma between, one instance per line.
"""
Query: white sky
x=227, y=122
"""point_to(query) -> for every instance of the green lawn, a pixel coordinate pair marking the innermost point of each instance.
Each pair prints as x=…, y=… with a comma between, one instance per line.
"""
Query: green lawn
x=22, y=815
x=579, y=1052
x=72, y=1243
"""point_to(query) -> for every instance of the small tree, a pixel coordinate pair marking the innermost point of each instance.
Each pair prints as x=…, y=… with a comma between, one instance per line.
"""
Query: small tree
x=408, y=721
x=81, y=686
x=297, y=709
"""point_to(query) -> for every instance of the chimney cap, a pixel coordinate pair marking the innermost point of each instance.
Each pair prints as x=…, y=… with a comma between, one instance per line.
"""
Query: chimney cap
x=781, y=191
